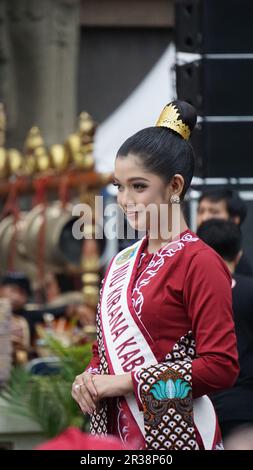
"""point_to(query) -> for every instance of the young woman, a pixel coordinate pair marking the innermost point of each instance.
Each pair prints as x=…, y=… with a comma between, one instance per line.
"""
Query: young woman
x=165, y=329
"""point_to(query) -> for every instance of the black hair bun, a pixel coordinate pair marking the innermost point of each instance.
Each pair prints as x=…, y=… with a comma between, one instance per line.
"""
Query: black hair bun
x=187, y=112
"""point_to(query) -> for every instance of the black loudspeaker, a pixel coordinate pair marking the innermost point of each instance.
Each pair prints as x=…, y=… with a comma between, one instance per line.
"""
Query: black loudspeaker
x=218, y=82
x=223, y=149
x=214, y=26
x=217, y=86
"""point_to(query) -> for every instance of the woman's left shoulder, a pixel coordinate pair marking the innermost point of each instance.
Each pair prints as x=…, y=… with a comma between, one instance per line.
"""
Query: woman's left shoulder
x=201, y=249
x=204, y=257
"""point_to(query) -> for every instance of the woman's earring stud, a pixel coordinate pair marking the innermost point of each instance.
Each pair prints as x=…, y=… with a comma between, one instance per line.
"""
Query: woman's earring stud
x=174, y=199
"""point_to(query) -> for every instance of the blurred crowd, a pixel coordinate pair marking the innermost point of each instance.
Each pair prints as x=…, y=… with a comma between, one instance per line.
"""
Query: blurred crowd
x=63, y=314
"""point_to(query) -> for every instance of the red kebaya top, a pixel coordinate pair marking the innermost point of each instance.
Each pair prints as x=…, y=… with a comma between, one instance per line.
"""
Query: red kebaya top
x=183, y=287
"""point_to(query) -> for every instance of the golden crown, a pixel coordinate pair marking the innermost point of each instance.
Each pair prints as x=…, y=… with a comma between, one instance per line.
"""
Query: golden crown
x=170, y=117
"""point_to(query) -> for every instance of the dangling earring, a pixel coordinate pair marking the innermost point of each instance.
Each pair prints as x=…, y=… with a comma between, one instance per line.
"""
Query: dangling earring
x=175, y=215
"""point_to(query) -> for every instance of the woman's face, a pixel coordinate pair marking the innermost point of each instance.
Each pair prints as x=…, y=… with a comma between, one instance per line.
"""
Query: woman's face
x=138, y=189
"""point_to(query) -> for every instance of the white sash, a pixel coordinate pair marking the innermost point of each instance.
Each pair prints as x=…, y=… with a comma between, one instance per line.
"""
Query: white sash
x=124, y=339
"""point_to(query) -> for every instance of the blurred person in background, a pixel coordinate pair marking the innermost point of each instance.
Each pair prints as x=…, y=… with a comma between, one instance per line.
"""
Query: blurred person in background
x=16, y=288
x=234, y=406
x=60, y=290
x=225, y=204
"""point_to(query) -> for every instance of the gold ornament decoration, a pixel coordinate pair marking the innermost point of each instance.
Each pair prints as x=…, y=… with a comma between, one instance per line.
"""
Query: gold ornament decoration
x=90, y=278
x=2, y=125
x=170, y=118
x=29, y=165
x=86, y=124
x=4, y=170
x=79, y=145
x=91, y=295
x=15, y=161
x=84, y=158
x=59, y=157
x=34, y=139
x=73, y=144
x=88, y=163
x=42, y=158
x=36, y=156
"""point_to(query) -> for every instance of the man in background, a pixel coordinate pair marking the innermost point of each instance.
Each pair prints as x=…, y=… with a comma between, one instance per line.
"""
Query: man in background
x=225, y=204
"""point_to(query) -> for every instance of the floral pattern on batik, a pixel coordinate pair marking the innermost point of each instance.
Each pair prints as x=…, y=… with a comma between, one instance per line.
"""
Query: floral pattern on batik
x=165, y=391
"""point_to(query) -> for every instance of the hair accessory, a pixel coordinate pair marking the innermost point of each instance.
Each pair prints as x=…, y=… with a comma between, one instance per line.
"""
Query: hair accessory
x=170, y=117
x=174, y=199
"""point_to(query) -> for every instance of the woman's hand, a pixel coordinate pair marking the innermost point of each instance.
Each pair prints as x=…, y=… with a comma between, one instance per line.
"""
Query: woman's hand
x=84, y=392
x=88, y=389
x=112, y=385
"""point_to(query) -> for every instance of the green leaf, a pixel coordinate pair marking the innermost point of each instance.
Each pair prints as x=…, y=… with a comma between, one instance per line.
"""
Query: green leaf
x=47, y=398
